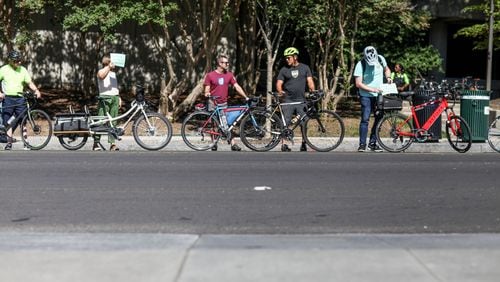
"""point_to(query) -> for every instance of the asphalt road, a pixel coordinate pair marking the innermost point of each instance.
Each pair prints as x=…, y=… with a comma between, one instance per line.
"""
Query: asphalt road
x=249, y=193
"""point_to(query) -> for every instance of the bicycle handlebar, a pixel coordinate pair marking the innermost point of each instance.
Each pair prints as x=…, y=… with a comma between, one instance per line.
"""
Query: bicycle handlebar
x=28, y=94
x=312, y=96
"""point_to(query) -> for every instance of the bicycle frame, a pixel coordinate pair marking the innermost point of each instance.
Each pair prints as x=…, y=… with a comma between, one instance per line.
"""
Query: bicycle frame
x=282, y=115
x=436, y=114
x=102, y=120
x=244, y=109
x=279, y=106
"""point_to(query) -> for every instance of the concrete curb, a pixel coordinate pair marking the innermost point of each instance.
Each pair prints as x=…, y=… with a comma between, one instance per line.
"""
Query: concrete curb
x=349, y=144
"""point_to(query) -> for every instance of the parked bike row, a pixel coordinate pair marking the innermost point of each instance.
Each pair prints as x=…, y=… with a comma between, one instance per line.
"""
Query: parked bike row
x=261, y=128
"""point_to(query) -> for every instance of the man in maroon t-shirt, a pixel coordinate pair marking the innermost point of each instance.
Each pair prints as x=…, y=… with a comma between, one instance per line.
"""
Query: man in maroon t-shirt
x=217, y=83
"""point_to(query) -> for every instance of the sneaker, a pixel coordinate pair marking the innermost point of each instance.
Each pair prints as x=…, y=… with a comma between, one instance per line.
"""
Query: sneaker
x=8, y=147
x=96, y=147
x=375, y=148
x=362, y=148
x=214, y=147
x=303, y=147
x=285, y=148
x=235, y=148
x=114, y=148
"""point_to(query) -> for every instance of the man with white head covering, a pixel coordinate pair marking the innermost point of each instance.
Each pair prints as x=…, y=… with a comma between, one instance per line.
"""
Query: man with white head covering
x=369, y=75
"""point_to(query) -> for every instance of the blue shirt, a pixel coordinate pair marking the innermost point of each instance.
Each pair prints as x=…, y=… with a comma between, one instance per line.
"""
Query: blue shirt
x=373, y=76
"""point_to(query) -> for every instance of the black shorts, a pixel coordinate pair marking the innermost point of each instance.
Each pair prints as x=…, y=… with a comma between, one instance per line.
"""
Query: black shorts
x=12, y=106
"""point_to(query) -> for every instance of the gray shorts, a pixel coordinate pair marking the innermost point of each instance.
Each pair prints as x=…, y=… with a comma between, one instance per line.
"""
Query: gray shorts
x=290, y=110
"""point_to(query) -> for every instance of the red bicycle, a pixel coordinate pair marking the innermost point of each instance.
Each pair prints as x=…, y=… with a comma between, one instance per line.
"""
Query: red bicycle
x=395, y=132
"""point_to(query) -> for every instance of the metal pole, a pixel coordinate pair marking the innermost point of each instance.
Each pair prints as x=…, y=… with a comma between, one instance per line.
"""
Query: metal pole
x=490, y=48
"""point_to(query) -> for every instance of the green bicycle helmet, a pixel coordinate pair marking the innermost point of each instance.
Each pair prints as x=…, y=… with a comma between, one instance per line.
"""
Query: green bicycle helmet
x=290, y=51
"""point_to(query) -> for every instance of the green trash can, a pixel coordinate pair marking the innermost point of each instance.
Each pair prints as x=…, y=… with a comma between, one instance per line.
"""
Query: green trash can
x=475, y=109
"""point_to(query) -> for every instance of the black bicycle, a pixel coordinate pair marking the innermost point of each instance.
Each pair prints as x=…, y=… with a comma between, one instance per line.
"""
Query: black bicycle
x=36, y=126
x=323, y=130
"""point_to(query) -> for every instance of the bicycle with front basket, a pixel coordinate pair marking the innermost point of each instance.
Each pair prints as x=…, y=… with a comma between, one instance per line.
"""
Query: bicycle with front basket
x=395, y=132
x=202, y=129
x=36, y=125
x=323, y=130
x=152, y=131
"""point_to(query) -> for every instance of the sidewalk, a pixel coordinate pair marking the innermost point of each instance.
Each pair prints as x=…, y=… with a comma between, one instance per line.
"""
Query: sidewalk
x=104, y=257
x=349, y=144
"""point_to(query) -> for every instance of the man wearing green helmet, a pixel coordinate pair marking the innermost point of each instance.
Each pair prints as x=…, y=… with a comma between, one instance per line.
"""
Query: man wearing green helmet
x=13, y=79
x=291, y=83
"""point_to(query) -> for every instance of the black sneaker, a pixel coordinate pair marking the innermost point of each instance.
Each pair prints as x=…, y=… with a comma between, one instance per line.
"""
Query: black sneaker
x=235, y=148
x=214, y=147
x=375, y=148
x=362, y=148
x=8, y=147
x=285, y=148
x=303, y=147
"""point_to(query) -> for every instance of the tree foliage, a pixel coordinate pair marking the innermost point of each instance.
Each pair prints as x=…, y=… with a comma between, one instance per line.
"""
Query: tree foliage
x=479, y=32
x=15, y=17
x=336, y=32
x=398, y=31
x=187, y=35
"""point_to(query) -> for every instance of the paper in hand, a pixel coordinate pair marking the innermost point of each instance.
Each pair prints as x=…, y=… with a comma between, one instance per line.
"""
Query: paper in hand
x=118, y=59
x=389, y=88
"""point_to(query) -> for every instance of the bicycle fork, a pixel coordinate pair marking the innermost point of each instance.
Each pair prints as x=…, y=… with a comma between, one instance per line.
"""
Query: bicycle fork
x=453, y=124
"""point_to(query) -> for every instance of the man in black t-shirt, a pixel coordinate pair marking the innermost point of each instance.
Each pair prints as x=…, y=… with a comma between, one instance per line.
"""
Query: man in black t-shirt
x=291, y=83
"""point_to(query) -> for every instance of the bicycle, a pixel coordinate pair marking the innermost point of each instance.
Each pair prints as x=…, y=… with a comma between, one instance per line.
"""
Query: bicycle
x=322, y=130
x=151, y=131
x=36, y=125
x=202, y=129
x=494, y=134
x=395, y=132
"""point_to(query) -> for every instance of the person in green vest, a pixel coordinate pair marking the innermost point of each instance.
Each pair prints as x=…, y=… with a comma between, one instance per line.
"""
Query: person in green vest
x=13, y=79
x=400, y=78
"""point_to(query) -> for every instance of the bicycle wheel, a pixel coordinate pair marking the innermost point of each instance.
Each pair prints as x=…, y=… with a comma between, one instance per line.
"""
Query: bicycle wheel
x=458, y=134
x=152, y=131
x=393, y=132
x=260, y=131
x=72, y=141
x=494, y=135
x=324, y=132
x=200, y=131
x=36, y=129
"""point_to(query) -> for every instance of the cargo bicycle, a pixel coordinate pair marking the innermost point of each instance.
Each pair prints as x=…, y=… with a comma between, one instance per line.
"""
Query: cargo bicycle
x=151, y=130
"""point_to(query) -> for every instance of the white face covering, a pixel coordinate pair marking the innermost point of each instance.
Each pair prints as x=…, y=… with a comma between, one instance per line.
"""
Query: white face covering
x=370, y=54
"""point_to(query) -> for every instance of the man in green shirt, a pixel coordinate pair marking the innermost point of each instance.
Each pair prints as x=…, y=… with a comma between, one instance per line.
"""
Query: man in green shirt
x=13, y=79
